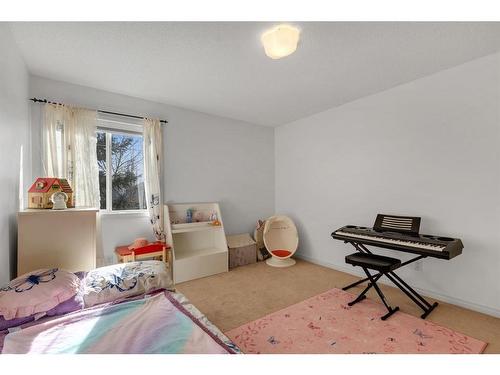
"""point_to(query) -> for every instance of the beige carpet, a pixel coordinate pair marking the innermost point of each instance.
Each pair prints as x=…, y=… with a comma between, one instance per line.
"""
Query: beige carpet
x=251, y=292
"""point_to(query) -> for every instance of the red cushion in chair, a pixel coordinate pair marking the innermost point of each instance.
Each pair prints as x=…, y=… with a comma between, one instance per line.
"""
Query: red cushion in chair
x=281, y=253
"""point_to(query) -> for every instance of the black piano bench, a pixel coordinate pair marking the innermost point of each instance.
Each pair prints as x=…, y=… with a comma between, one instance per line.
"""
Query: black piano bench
x=382, y=265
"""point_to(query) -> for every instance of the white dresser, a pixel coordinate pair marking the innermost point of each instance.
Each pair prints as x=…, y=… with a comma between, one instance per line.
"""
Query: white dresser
x=56, y=238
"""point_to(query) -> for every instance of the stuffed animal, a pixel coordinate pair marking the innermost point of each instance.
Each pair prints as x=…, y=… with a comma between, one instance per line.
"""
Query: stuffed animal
x=262, y=253
x=198, y=216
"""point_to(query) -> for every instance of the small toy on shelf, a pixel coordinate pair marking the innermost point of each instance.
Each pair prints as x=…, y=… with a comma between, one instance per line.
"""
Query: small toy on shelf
x=213, y=218
x=59, y=200
x=198, y=216
x=189, y=215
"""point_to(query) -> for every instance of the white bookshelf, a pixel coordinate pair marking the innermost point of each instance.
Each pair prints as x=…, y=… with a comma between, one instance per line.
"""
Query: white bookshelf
x=199, y=248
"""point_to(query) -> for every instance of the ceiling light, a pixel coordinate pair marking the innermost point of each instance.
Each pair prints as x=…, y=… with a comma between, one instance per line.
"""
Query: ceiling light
x=280, y=41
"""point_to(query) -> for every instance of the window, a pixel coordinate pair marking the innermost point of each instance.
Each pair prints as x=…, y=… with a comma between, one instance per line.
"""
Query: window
x=121, y=170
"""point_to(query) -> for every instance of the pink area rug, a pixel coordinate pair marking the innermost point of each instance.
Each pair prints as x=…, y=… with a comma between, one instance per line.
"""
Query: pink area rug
x=326, y=324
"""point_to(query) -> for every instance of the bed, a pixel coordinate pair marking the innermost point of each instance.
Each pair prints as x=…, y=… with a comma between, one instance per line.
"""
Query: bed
x=124, y=312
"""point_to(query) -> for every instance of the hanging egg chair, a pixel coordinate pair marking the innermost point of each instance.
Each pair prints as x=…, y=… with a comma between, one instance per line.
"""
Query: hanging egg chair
x=281, y=239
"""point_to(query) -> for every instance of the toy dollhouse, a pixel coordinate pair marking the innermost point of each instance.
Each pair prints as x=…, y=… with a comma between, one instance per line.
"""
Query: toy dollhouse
x=40, y=192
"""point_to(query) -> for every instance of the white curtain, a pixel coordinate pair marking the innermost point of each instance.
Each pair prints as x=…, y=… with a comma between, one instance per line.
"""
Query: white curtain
x=83, y=151
x=55, y=159
x=69, y=150
x=152, y=171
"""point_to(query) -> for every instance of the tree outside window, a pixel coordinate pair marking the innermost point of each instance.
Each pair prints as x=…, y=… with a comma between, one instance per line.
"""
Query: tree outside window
x=123, y=188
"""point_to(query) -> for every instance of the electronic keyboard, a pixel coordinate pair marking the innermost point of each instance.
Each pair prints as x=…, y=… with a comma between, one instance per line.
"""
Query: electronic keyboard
x=399, y=233
x=423, y=244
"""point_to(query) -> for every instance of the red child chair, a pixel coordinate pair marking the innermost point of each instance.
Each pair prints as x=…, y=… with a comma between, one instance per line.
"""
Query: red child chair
x=141, y=249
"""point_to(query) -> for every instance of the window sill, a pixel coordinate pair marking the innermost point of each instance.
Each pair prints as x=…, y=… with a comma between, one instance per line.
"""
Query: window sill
x=125, y=213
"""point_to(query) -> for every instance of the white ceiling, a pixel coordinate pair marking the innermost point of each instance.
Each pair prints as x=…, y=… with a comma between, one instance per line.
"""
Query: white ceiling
x=220, y=68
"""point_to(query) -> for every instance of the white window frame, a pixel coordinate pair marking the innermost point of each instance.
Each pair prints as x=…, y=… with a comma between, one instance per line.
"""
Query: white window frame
x=109, y=125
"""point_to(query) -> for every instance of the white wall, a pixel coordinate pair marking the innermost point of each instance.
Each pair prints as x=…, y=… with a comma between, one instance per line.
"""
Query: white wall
x=428, y=148
x=207, y=158
x=14, y=120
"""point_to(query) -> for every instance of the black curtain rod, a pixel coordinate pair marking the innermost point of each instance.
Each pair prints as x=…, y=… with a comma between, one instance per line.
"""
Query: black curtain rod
x=36, y=100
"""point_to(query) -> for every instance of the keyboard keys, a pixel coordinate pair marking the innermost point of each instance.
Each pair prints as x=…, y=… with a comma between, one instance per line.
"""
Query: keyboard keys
x=393, y=241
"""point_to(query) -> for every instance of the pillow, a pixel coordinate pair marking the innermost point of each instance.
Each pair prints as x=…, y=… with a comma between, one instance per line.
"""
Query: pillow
x=73, y=304
x=6, y=324
x=37, y=292
x=124, y=280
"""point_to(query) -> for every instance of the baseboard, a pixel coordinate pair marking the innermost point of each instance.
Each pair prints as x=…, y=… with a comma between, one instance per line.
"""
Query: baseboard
x=439, y=296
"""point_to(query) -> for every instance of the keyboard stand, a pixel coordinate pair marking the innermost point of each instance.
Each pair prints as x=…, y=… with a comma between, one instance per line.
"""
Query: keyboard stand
x=396, y=280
